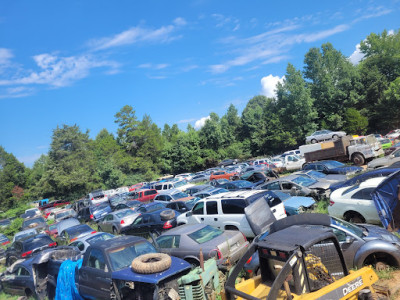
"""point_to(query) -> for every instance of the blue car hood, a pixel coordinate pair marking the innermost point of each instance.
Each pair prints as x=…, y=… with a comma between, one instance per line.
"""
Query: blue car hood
x=376, y=232
x=298, y=201
x=385, y=198
x=127, y=274
x=345, y=170
x=363, y=177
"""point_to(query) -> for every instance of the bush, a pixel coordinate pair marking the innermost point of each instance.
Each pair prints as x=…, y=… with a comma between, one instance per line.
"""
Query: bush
x=14, y=227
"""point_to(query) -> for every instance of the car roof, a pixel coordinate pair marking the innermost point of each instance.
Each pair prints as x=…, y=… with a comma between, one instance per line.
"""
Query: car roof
x=184, y=229
x=372, y=182
x=236, y=194
x=169, y=192
x=118, y=241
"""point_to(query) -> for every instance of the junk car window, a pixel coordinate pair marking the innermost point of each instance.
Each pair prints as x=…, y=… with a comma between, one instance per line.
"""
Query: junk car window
x=205, y=234
x=350, y=227
x=96, y=260
x=233, y=206
x=212, y=208
x=100, y=237
x=37, y=243
x=304, y=181
x=198, y=209
x=122, y=257
x=125, y=213
x=317, y=174
x=364, y=194
x=350, y=189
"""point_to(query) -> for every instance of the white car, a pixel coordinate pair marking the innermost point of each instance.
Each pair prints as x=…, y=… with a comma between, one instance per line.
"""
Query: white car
x=278, y=162
x=226, y=211
x=322, y=135
x=394, y=134
x=293, y=162
x=355, y=203
x=186, y=176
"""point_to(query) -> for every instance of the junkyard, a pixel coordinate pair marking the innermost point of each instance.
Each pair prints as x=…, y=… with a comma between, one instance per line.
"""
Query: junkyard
x=200, y=150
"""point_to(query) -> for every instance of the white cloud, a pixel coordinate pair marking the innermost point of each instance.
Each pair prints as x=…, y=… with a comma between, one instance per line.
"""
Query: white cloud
x=356, y=56
x=180, y=21
x=268, y=84
x=138, y=34
x=269, y=46
x=200, y=123
x=59, y=71
x=153, y=66
x=223, y=21
x=16, y=92
x=391, y=32
x=5, y=56
x=186, y=121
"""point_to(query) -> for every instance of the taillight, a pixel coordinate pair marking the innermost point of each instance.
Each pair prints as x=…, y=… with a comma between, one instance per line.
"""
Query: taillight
x=122, y=221
x=25, y=254
x=167, y=225
x=74, y=239
x=91, y=217
x=249, y=260
x=53, y=244
x=331, y=202
x=5, y=243
x=218, y=253
x=92, y=199
x=93, y=232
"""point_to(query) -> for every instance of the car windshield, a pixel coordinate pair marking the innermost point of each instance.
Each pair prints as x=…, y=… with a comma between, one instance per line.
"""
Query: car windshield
x=243, y=184
x=99, y=206
x=350, y=227
x=283, y=196
x=116, y=200
x=38, y=242
x=219, y=191
x=386, y=141
x=316, y=174
x=22, y=235
x=304, y=181
x=205, y=234
x=122, y=257
x=179, y=183
x=77, y=230
x=124, y=213
x=33, y=221
x=64, y=214
x=152, y=208
x=333, y=164
x=180, y=195
x=100, y=237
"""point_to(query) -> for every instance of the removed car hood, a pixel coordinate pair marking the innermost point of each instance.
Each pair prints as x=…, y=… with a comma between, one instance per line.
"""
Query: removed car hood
x=127, y=274
x=299, y=201
x=386, y=201
x=259, y=216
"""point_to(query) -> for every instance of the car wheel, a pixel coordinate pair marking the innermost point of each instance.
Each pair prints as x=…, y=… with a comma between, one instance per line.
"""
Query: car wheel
x=354, y=217
x=335, y=137
x=358, y=159
x=313, y=141
x=99, y=228
x=115, y=231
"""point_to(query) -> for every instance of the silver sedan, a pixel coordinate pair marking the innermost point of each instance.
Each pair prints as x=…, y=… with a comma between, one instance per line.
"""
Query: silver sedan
x=84, y=242
x=115, y=221
x=323, y=135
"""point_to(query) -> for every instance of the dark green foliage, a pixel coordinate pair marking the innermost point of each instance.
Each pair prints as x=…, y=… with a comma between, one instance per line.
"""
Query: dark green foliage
x=354, y=122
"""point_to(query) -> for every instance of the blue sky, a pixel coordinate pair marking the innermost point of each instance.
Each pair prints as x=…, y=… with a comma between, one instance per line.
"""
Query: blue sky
x=80, y=62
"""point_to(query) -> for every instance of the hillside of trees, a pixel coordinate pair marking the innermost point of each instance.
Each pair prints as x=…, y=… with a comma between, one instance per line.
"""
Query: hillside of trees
x=330, y=92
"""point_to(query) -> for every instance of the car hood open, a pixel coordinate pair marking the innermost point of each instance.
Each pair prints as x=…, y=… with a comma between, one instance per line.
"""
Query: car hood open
x=259, y=216
x=127, y=274
x=386, y=201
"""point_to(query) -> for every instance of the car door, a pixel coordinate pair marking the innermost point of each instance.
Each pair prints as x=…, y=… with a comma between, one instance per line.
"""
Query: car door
x=211, y=216
x=197, y=215
x=95, y=276
x=17, y=283
x=363, y=204
x=169, y=244
x=107, y=223
x=349, y=243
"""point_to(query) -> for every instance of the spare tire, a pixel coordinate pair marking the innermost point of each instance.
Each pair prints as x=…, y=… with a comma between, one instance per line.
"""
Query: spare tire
x=167, y=214
x=151, y=263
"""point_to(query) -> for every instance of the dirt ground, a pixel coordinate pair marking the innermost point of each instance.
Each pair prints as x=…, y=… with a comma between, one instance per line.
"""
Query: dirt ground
x=393, y=283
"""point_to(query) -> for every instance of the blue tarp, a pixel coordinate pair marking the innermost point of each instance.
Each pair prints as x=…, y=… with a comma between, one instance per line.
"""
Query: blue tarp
x=66, y=288
x=386, y=199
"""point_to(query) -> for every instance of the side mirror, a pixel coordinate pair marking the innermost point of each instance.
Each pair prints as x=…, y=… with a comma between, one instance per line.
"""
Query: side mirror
x=189, y=214
x=391, y=156
x=349, y=239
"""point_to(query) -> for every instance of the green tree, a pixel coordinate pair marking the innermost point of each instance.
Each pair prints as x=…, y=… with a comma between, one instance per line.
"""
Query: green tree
x=12, y=179
x=211, y=135
x=295, y=106
x=335, y=84
x=354, y=122
x=127, y=125
x=390, y=105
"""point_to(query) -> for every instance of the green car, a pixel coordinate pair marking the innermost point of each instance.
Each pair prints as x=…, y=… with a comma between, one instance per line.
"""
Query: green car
x=386, y=143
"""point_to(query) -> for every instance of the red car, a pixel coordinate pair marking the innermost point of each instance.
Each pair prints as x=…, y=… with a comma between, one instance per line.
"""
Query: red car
x=223, y=175
x=136, y=186
x=51, y=230
x=144, y=195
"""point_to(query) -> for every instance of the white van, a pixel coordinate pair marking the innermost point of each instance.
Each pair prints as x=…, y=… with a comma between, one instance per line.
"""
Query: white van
x=226, y=211
x=181, y=185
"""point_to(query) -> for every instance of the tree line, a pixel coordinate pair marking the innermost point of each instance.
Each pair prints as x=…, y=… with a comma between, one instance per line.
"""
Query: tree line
x=330, y=92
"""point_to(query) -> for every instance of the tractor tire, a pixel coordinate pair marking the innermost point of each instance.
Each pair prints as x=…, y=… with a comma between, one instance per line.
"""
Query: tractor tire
x=151, y=263
x=167, y=214
x=358, y=159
